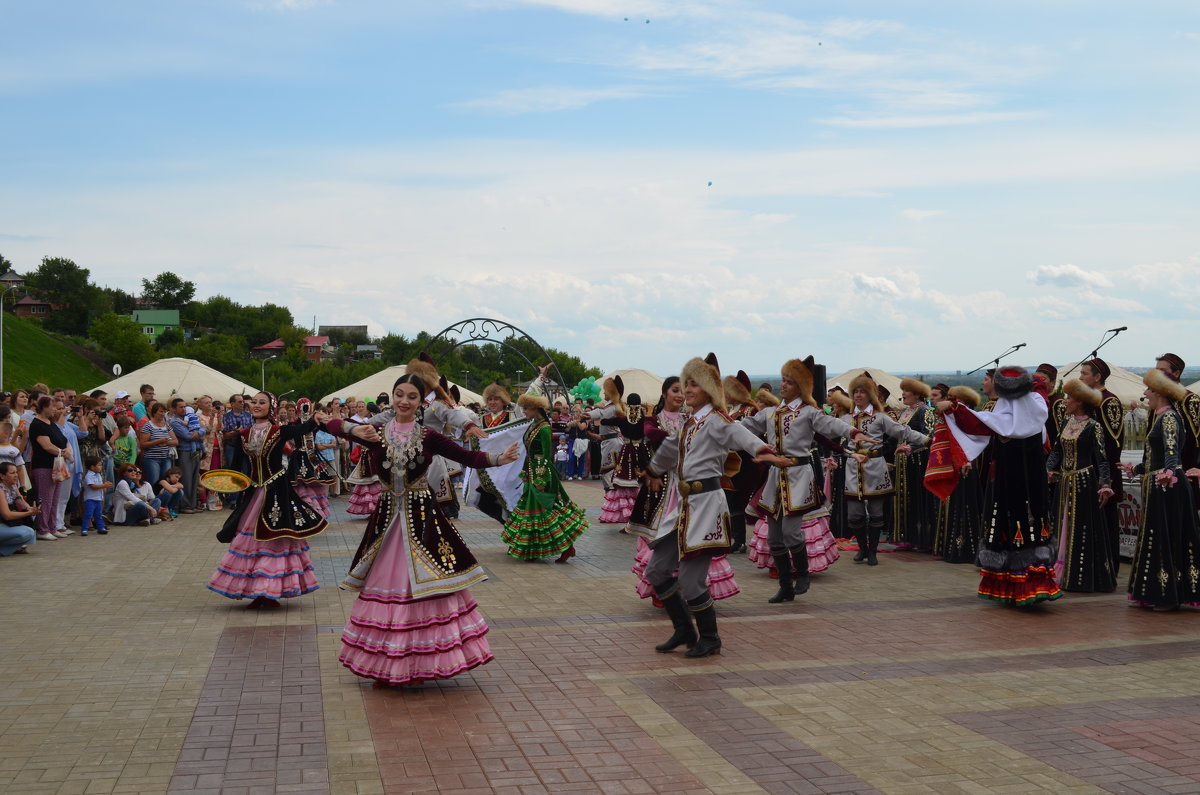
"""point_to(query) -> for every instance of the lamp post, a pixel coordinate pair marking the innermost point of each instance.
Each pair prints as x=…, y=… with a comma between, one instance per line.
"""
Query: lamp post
x=467, y=378
x=264, y=371
x=10, y=281
x=519, y=374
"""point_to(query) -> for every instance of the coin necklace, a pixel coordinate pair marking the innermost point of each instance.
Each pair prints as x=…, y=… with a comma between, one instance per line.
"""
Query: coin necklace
x=405, y=446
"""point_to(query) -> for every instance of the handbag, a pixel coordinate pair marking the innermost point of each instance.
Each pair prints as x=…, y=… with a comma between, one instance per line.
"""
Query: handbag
x=58, y=470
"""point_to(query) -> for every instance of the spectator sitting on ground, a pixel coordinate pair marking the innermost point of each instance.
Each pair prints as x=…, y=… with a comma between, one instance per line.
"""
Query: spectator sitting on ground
x=17, y=517
x=171, y=491
x=134, y=501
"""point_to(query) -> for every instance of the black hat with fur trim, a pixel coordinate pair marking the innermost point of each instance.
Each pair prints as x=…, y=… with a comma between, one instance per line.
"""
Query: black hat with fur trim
x=1164, y=385
x=614, y=388
x=966, y=395
x=496, y=390
x=424, y=368
x=1083, y=393
x=737, y=389
x=800, y=372
x=706, y=373
x=1012, y=382
x=916, y=386
x=867, y=384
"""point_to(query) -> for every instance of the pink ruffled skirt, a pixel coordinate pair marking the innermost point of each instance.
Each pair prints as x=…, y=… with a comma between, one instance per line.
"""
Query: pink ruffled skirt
x=618, y=505
x=364, y=498
x=395, y=639
x=278, y=569
x=818, y=540
x=721, y=584
x=316, y=495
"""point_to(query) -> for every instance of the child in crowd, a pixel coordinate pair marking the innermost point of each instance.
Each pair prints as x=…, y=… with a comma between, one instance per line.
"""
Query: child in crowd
x=125, y=443
x=9, y=452
x=560, y=459
x=170, y=490
x=94, y=486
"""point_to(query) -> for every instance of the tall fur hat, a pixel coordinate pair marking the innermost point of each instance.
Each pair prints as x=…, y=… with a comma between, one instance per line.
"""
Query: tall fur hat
x=424, y=368
x=964, y=394
x=707, y=375
x=800, y=372
x=767, y=397
x=839, y=399
x=495, y=390
x=1164, y=385
x=530, y=400
x=737, y=389
x=1012, y=382
x=1083, y=393
x=916, y=386
x=867, y=384
x=614, y=389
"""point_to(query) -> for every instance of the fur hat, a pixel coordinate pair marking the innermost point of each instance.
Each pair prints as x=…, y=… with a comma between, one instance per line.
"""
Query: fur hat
x=917, y=387
x=1083, y=393
x=800, y=372
x=767, y=396
x=737, y=389
x=530, y=400
x=1164, y=385
x=1173, y=360
x=1012, y=382
x=964, y=394
x=455, y=393
x=495, y=390
x=1100, y=366
x=707, y=375
x=866, y=383
x=841, y=400
x=614, y=390
x=424, y=368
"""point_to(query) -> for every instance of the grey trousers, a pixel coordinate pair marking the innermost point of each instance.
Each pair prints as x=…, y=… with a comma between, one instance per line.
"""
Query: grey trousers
x=693, y=572
x=189, y=465
x=786, y=533
x=860, y=513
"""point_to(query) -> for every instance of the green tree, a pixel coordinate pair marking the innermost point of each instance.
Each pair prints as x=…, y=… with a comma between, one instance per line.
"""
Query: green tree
x=167, y=291
x=64, y=284
x=115, y=300
x=122, y=341
x=5, y=264
x=168, y=338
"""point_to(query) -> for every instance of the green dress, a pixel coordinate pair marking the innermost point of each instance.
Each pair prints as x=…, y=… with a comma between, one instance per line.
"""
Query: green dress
x=545, y=521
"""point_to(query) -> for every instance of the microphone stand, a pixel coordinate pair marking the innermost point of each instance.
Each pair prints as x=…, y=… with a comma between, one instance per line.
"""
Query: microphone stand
x=996, y=361
x=1103, y=341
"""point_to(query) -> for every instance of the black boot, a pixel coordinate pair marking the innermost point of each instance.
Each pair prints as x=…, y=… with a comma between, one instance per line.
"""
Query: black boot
x=873, y=533
x=737, y=534
x=860, y=534
x=681, y=617
x=799, y=557
x=787, y=591
x=706, y=620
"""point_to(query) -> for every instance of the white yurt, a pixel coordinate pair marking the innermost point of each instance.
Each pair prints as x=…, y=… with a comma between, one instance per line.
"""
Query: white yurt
x=1124, y=384
x=176, y=377
x=646, y=384
x=370, y=387
x=882, y=377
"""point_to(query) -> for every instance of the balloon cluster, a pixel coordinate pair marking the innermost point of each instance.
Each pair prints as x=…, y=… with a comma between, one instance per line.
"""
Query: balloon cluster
x=587, y=389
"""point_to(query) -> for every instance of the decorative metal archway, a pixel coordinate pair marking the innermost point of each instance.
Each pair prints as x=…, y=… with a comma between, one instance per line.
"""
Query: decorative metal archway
x=476, y=330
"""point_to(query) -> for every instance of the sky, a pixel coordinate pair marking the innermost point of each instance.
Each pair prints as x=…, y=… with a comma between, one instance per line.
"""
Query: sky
x=915, y=186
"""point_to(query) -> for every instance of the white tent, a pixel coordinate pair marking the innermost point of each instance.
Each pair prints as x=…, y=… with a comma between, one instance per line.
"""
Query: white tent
x=372, y=385
x=1125, y=385
x=647, y=385
x=882, y=377
x=175, y=377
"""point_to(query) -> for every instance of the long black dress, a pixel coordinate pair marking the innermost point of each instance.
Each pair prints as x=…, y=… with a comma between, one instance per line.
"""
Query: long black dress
x=1084, y=560
x=1166, y=564
x=959, y=519
x=915, y=509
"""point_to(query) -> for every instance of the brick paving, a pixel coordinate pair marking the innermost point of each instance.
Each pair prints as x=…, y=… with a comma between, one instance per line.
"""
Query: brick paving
x=122, y=673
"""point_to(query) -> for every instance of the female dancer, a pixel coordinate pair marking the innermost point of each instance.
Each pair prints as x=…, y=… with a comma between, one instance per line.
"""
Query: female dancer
x=1078, y=464
x=610, y=440
x=364, y=497
x=663, y=426
x=310, y=474
x=630, y=462
x=914, y=511
x=544, y=522
x=414, y=619
x=1168, y=548
x=268, y=557
x=959, y=517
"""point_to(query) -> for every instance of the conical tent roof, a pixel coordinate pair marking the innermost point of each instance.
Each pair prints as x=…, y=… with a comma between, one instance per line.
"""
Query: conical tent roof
x=646, y=384
x=370, y=387
x=882, y=377
x=1124, y=384
x=176, y=377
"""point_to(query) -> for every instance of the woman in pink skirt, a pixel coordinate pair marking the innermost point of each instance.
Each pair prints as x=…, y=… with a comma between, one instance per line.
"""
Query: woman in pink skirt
x=414, y=619
x=268, y=558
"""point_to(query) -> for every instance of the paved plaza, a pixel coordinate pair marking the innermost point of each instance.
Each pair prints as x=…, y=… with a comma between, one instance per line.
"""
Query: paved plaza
x=122, y=673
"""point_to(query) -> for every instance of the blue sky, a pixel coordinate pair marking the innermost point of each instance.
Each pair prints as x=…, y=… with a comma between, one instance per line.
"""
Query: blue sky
x=900, y=185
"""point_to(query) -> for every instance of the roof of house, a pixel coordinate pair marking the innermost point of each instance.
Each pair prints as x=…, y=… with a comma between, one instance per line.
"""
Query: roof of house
x=156, y=317
x=30, y=300
x=277, y=344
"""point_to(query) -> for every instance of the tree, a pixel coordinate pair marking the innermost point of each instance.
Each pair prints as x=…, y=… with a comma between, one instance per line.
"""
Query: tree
x=122, y=341
x=5, y=264
x=64, y=284
x=167, y=291
x=167, y=338
x=115, y=300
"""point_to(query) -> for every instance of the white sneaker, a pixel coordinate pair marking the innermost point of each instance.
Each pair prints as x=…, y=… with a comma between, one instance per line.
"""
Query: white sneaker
x=156, y=521
x=47, y=537
x=60, y=534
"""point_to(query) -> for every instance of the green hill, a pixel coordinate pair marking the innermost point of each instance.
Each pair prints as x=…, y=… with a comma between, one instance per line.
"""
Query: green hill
x=31, y=356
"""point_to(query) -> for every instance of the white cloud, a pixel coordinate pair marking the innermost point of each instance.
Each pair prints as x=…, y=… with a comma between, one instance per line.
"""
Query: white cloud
x=921, y=215
x=867, y=122
x=550, y=98
x=1068, y=276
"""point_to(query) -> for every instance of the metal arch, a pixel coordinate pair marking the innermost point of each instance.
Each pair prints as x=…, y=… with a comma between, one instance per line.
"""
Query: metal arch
x=480, y=329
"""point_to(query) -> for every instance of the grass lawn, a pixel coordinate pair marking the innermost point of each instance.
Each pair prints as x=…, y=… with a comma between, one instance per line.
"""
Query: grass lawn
x=31, y=355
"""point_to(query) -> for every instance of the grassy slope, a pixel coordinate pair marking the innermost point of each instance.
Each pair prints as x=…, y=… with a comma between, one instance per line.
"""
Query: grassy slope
x=31, y=355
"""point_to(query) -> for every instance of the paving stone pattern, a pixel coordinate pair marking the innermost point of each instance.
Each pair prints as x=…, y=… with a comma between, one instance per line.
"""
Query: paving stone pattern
x=122, y=673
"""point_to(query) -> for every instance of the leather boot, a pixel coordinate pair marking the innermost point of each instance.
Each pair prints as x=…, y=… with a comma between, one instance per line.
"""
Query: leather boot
x=860, y=534
x=706, y=620
x=873, y=533
x=681, y=618
x=737, y=534
x=787, y=591
x=799, y=555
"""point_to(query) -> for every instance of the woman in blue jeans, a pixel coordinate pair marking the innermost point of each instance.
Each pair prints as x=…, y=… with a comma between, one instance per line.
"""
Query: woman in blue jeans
x=155, y=440
x=576, y=462
x=133, y=500
x=16, y=516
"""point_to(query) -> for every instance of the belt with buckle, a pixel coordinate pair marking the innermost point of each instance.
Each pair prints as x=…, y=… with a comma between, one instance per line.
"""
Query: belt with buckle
x=798, y=460
x=687, y=487
x=870, y=453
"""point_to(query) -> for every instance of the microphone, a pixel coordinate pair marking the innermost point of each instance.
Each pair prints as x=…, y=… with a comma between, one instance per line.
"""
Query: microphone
x=1018, y=346
x=1118, y=330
